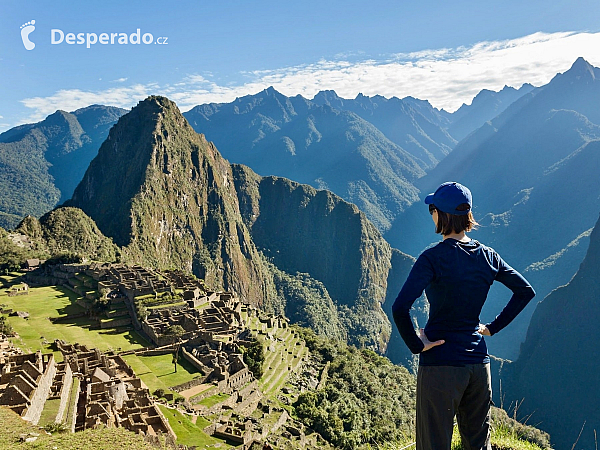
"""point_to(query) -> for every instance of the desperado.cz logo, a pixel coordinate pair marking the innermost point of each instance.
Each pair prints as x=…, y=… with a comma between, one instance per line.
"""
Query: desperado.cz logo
x=58, y=36
x=26, y=30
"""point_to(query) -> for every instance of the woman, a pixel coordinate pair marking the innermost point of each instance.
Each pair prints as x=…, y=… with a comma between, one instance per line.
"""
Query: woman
x=454, y=366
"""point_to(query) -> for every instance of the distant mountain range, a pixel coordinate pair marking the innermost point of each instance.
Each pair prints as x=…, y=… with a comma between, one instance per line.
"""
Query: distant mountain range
x=41, y=163
x=485, y=106
x=318, y=145
x=415, y=129
x=368, y=150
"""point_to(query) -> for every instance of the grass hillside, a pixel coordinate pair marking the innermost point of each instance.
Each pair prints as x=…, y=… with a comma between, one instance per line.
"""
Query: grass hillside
x=15, y=431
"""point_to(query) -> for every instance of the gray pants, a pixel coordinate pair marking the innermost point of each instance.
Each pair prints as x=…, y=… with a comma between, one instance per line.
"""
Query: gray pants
x=446, y=391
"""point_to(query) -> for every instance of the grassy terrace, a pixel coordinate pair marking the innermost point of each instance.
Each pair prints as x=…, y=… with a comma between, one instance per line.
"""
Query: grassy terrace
x=38, y=332
x=214, y=399
x=189, y=433
x=49, y=413
x=167, y=305
x=158, y=371
x=280, y=363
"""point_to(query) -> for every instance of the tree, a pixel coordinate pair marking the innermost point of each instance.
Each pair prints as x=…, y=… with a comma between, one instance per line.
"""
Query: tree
x=5, y=326
x=143, y=313
x=254, y=357
x=175, y=331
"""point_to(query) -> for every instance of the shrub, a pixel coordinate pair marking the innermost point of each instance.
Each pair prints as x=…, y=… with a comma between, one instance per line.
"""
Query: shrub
x=56, y=427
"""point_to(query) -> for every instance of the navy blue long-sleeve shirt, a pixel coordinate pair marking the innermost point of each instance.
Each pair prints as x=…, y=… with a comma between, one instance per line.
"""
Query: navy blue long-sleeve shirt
x=457, y=277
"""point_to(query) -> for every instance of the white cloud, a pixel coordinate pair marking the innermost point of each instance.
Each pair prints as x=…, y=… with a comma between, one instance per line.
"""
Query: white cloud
x=446, y=77
x=72, y=99
x=120, y=80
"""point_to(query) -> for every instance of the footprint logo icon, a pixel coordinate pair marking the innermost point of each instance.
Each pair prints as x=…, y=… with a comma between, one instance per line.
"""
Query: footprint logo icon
x=26, y=30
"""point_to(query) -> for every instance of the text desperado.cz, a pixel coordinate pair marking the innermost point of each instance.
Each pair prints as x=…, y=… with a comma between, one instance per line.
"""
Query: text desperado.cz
x=58, y=37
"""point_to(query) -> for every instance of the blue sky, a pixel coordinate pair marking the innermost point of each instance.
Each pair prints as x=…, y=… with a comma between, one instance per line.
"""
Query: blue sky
x=217, y=50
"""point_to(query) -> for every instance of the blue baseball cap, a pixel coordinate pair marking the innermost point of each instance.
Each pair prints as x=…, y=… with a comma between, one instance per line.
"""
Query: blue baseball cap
x=449, y=196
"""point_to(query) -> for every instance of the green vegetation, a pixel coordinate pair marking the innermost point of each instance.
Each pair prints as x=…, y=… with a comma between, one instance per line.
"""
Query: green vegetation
x=12, y=256
x=307, y=302
x=214, y=399
x=368, y=403
x=366, y=398
x=175, y=331
x=187, y=432
x=41, y=163
x=69, y=231
x=5, y=326
x=38, y=332
x=54, y=427
x=62, y=235
x=26, y=185
x=151, y=301
x=328, y=261
x=508, y=434
x=254, y=357
x=49, y=412
x=157, y=371
x=282, y=356
x=68, y=418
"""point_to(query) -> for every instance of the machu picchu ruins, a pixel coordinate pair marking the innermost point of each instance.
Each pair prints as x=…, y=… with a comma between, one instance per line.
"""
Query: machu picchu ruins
x=176, y=314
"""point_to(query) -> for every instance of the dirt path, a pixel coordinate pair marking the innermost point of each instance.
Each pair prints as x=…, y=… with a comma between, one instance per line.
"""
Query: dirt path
x=195, y=390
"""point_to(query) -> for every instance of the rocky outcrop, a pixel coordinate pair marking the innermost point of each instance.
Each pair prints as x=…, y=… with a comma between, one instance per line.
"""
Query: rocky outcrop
x=556, y=377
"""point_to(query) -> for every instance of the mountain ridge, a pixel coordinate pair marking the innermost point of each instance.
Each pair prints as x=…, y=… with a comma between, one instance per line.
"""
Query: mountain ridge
x=317, y=145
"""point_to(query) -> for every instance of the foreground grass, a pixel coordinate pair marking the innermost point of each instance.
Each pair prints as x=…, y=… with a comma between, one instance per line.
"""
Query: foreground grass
x=503, y=438
x=100, y=439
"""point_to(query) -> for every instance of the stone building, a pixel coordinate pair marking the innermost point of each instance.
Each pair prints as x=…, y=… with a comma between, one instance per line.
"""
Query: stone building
x=25, y=383
x=111, y=395
x=219, y=319
x=222, y=363
x=132, y=281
